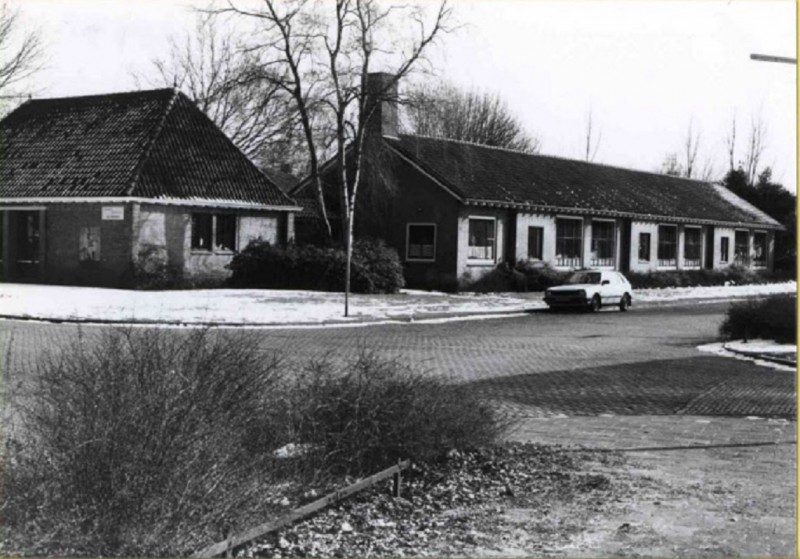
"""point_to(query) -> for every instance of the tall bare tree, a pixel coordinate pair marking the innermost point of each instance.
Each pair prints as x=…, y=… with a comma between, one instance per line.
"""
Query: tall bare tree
x=445, y=111
x=754, y=148
x=21, y=53
x=690, y=147
x=320, y=53
x=593, y=137
x=211, y=66
x=730, y=144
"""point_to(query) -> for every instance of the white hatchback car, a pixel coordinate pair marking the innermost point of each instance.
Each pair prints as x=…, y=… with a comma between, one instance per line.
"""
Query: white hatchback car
x=592, y=289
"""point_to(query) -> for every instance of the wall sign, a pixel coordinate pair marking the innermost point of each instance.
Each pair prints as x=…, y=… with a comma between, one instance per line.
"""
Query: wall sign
x=113, y=213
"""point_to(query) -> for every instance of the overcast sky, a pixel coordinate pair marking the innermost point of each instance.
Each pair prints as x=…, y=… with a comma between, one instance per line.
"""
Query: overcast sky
x=644, y=69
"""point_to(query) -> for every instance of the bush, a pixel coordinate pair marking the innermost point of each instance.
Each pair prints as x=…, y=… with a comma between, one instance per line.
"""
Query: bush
x=141, y=443
x=150, y=270
x=733, y=275
x=376, y=268
x=539, y=276
x=770, y=318
x=371, y=412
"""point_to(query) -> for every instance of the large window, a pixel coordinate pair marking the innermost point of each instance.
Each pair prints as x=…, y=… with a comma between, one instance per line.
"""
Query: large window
x=760, y=249
x=535, y=242
x=481, y=238
x=692, y=247
x=741, y=248
x=644, y=247
x=724, y=249
x=667, y=245
x=569, y=241
x=421, y=242
x=214, y=232
x=603, y=233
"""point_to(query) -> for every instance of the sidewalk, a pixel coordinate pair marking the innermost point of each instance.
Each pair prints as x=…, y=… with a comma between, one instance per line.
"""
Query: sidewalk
x=272, y=308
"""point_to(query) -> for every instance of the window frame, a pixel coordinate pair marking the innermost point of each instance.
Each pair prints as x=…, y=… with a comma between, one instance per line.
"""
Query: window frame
x=408, y=244
x=475, y=260
x=724, y=249
x=746, y=260
x=214, y=229
x=695, y=262
x=539, y=245
x=648, y=245
x=761, y=263
x=566, y=262
x=597, y=262
x=667, y=262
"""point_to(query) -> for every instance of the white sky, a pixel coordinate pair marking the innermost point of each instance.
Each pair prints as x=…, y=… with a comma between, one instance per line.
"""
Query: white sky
x=644, y=68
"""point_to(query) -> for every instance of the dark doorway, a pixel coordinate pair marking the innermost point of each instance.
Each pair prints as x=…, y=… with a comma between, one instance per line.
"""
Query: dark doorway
x=709, y=256
x=24, y=246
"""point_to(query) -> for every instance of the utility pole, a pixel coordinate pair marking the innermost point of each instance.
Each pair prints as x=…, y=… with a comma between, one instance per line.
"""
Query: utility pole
x=769, y=58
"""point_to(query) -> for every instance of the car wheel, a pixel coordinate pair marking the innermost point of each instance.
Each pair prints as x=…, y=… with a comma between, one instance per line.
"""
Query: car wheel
x=625, y=303
x=595, y=305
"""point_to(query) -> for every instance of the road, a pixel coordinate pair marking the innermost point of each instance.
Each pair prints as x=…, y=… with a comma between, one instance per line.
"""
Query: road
x=643, y=362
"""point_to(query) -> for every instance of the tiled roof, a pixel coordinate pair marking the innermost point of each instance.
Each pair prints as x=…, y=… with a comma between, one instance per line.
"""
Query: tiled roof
x=481, y=173
x=149, y=144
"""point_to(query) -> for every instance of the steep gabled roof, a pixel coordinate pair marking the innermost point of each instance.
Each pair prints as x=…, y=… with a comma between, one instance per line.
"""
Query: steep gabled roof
x=146, y=144
x=475, y=173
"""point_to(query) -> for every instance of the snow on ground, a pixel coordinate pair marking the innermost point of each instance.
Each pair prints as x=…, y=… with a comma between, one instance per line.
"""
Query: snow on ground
x=755, y=346
x=257, y=306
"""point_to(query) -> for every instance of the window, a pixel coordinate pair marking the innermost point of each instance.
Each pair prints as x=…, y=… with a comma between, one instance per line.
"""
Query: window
x=226, y=233
x=603, y=233
x=202, y=228
x=89, y=244
x=644, y=247
x=535, y=242
x=724, y=249
x=421, y=242
x=569, y=241
x=667, y=245
x=692, y=247
x=214, y=232
x=760, y=249
x=481, y=239
x=741, y=247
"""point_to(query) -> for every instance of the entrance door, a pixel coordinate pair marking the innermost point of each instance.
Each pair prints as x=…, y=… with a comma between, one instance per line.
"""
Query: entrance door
x=709, y=260
x=26, y=245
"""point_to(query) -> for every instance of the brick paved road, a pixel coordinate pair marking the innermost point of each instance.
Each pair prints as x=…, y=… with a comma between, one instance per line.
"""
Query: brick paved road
x=642, y=362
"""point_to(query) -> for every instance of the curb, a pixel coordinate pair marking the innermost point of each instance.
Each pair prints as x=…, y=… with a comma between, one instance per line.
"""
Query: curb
x=763, y=357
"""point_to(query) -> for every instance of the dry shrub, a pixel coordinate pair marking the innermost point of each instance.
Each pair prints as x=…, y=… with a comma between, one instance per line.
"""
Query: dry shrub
x=770, y=318
x=140, y=443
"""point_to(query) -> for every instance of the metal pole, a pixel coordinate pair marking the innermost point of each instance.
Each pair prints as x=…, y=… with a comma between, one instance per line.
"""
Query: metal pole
x=768, y=58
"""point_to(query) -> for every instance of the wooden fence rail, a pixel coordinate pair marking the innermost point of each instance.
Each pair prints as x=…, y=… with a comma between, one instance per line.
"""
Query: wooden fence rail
x=228, y=545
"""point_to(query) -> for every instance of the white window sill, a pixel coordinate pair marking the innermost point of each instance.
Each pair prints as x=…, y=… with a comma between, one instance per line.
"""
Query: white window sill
x=478, y=263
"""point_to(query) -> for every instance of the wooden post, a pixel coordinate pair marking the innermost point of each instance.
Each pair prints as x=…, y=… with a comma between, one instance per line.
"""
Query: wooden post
x=396, y=482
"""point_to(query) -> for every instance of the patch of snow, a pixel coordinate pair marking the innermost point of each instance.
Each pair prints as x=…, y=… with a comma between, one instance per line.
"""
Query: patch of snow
x=718, y=348
x=762, y=346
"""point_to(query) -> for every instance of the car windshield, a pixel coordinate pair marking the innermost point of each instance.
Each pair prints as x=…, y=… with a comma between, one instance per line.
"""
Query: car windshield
x=584, y=277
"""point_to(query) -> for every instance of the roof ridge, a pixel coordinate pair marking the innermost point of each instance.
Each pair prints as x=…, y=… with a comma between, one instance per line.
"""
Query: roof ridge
x=99, y=95
x=559, y=157
x=137, y=170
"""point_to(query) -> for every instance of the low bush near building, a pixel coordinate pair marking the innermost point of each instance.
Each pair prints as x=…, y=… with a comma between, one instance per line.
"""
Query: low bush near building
x=732, y=275
x=769, y=318
x=153, y=443
x=376, y=268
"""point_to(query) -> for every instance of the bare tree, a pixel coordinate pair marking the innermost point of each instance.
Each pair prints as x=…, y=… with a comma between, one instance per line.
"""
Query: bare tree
x=211, y=67
x=21, y=52
x=671, y=166
x=754, y=148
x=592, y=143
x=323, y=59
x=445, y=111
x=730, y=144
x=690, y=147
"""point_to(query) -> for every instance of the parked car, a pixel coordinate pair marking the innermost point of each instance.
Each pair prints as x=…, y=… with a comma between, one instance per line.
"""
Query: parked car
x=592, y=289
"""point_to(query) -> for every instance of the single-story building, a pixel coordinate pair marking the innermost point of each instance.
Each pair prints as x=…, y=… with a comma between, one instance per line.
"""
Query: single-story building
x=455, y=210
x=92, y=187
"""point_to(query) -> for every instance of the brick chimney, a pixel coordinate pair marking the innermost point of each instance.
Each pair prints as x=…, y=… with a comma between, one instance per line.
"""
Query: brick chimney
x=384, y=119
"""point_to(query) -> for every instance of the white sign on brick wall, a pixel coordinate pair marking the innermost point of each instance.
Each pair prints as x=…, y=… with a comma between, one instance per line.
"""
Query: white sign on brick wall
x=113, y=213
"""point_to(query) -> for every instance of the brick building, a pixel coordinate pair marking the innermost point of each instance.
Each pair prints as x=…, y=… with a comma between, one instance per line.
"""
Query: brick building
x=91, y=185
x=456, y=210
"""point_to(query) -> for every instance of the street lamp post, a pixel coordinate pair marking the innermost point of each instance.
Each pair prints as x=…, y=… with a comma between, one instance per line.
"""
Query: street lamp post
x=769, y=58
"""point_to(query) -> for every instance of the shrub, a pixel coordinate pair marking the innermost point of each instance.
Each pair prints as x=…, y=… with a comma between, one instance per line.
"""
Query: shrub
x=150, y=270
x=370, y=412
x=141, y=443
x=734, y=275
x=539, y=276
x=376, y=268
x=770, y=318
